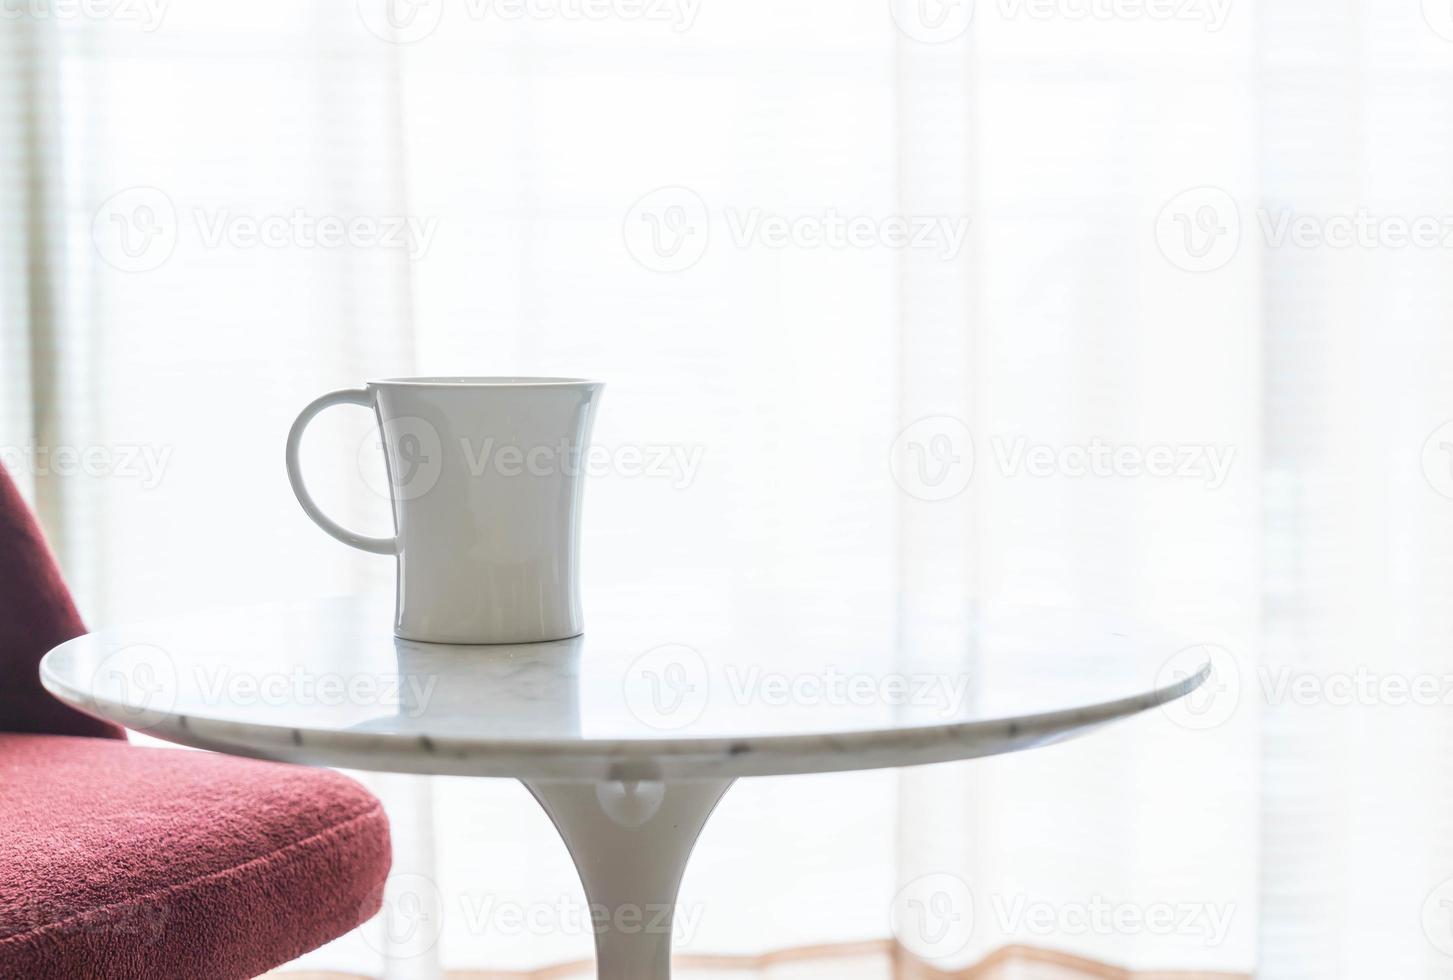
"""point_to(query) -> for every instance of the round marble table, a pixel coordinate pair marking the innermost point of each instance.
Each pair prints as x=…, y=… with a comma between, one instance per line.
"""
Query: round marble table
x=630, y=734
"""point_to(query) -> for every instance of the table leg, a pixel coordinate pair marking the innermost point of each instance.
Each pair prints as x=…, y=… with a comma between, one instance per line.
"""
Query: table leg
x=630, y=842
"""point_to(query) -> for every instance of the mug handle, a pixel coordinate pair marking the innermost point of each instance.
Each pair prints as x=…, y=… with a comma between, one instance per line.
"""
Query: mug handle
x=346, y=396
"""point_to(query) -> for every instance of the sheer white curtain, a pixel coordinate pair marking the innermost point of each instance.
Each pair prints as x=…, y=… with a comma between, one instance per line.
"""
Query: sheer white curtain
x=1050, y=303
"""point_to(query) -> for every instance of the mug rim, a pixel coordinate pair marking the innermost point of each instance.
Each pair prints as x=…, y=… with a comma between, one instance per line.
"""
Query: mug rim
x=482, y=381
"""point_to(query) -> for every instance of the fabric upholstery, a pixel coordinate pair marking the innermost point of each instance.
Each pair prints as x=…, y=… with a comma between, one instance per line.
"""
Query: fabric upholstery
x=36, y=613
x=118, y=861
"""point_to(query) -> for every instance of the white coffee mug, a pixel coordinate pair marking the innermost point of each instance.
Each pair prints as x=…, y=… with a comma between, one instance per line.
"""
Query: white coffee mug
x=486, y=481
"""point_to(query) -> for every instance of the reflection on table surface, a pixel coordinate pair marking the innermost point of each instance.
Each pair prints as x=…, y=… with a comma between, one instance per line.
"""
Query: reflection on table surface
x=691, y=664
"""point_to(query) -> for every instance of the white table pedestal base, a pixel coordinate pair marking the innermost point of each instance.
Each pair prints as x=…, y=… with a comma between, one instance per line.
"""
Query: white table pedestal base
x=630, y=842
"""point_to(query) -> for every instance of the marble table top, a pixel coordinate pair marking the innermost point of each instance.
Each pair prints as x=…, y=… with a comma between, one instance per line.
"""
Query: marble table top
x=691, y=685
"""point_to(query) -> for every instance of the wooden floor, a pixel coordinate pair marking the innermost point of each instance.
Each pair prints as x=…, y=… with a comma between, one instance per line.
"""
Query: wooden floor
x=863, y=961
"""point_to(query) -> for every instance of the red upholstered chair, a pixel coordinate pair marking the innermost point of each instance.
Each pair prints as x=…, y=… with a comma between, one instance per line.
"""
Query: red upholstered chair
x=118, y=861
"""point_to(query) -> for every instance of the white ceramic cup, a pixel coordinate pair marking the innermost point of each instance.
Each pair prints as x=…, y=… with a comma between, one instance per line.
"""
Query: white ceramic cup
x=486, y=481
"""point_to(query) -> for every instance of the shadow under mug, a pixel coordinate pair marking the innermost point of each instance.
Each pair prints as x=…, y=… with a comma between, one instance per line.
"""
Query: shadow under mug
x=486, y=480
